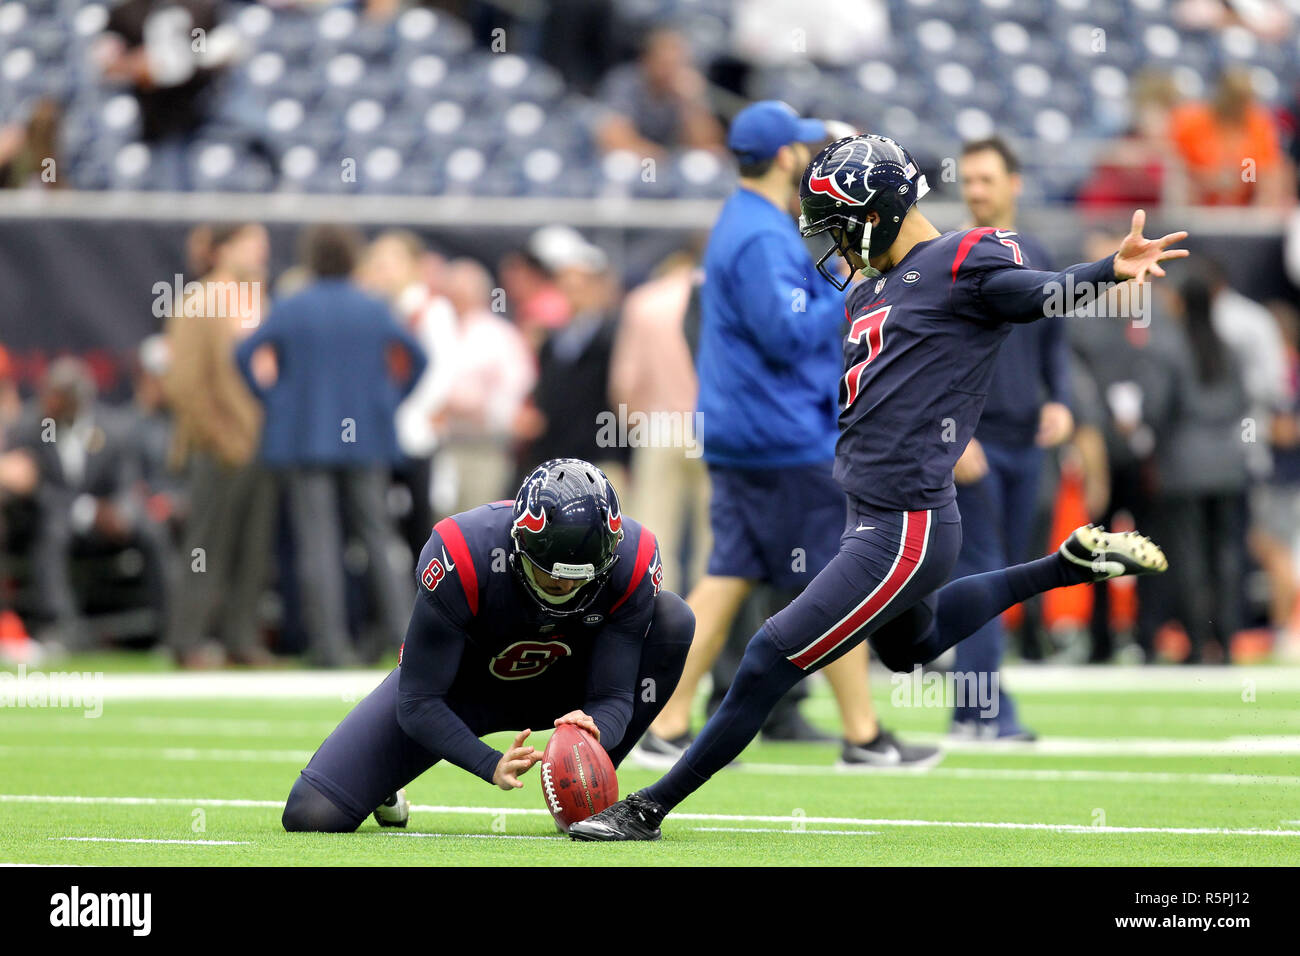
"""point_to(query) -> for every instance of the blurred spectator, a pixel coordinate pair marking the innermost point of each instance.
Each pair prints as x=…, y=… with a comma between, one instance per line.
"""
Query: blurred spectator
x=1027, y=411
x=151, y=424
x=1252, y=334
x=1201, y=464
x=1230, y=147
x=1275, y=502
x=169, y=51
x=581, y=39
x=1134, y=386
x=1268, y=19
x=573, y=365
x=393, y=268
x=652, y=373
x=87, y=498
x=18, y=474
x=659, y=102
x=227, y=540
x=329, y=432
x=1132, y=170
x=534, y=301
x=495, y=372
x=29, y=153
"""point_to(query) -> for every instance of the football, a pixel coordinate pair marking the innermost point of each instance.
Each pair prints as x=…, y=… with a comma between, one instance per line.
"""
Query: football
x=577, y=776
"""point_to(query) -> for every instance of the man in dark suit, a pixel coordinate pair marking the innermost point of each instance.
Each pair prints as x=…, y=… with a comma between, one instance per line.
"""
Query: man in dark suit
x=343, y=366
x=88, y=497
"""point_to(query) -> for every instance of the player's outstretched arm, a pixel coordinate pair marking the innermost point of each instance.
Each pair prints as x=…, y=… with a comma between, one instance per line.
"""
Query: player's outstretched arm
x=1138, y=256
x=1026, y=295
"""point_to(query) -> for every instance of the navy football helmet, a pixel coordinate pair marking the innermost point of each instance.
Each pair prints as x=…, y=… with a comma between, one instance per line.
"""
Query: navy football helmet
x=847, y=180
x=567, y=524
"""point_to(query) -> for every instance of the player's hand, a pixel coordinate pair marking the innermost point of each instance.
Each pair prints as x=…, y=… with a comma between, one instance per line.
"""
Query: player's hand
x=515, y=762
x=1138, y=256
x=1055, y=425
x=582, y=720
x=972, y=465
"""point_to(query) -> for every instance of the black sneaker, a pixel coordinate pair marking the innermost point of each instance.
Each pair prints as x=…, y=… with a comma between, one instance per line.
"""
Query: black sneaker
x=794, y=729
x=1108, y=554
x=634, y=818
x=659, y=753
x=888, y=751
x=395, y=811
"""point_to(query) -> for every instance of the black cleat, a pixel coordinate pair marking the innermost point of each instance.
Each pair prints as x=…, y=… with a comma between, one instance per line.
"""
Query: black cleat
x=634, y=818
x=1109, y=554
x=888, y=751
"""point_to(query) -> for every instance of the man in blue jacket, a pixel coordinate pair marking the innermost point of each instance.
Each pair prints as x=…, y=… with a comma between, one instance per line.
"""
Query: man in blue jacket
x=770, y=358
x=343, y=365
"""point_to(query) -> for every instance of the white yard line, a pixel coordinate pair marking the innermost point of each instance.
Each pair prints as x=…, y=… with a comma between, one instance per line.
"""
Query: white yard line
x=1239, y=745
x=477, y=836
x=1019, y=773
x=141, y=840
x=787, y=821
x=791, y=830
x=351, y=686
x=1236, y=746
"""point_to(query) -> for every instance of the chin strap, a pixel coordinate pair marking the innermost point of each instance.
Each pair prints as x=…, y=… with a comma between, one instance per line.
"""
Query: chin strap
x=548, y=598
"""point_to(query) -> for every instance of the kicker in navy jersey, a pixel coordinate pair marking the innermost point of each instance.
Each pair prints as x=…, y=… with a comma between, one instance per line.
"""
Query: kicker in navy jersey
x=925, y=326
x=530, y=613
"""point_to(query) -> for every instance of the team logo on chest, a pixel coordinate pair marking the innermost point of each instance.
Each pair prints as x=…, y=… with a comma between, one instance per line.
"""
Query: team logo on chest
x=527, y=659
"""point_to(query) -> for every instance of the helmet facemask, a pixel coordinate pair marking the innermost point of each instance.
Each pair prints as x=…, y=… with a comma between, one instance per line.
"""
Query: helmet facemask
x=575, y=601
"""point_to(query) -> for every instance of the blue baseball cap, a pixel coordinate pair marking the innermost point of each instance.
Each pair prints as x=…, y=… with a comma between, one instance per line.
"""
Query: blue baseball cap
x=762, y=128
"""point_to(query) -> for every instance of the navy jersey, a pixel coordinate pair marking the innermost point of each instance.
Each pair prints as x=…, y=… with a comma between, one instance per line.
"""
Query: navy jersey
x=477, y=636
x=919, y=357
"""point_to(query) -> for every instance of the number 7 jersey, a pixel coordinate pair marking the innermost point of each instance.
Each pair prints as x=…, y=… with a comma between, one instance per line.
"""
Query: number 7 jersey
x=918, y=359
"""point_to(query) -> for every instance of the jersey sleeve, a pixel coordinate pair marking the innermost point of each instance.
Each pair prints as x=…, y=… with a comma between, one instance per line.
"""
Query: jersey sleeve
x=616, y=657
x=446, y=577
x=991, y=283
x=431, y=653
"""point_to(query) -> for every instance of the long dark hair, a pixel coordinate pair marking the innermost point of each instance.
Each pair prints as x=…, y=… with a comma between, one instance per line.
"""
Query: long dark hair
x=1209, y=352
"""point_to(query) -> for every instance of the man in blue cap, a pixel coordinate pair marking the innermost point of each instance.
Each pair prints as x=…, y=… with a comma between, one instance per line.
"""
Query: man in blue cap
x=769, y=362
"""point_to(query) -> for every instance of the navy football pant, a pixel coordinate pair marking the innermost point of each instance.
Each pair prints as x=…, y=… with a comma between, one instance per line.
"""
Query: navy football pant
x=885, y=585
x=368, y=757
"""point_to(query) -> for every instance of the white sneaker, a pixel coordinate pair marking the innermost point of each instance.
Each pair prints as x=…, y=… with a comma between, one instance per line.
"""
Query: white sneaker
x=395, y=811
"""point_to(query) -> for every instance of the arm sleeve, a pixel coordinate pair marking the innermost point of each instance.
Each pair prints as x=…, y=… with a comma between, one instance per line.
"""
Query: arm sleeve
x=785, y=312
x=616, y=660
x=419, y=359
x=611, y=684
x=1056, y=361
x=244, y=355
x=1025, y=295
x=430, y=659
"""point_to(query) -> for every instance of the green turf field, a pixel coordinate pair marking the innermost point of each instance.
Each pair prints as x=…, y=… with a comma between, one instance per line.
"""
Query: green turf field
x=1136, y=767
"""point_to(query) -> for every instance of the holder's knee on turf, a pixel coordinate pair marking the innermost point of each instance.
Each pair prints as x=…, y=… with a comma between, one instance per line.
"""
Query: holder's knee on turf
x=309, y=811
